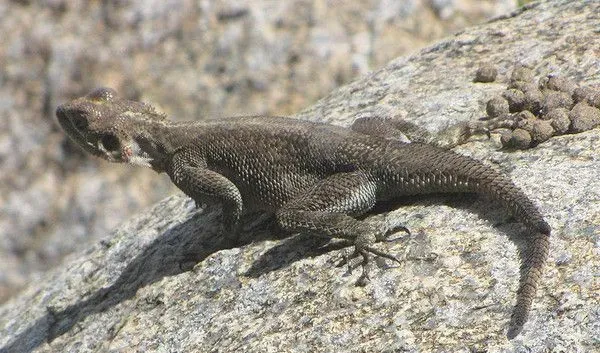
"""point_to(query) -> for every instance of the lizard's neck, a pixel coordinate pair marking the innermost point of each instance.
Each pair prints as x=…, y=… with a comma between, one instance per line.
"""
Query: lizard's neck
x=153, y=143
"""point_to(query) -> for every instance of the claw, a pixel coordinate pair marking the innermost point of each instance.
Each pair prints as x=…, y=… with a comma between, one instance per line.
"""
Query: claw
x=345, y=260
x=398, y=228
x=364, y=277
x=392, y=230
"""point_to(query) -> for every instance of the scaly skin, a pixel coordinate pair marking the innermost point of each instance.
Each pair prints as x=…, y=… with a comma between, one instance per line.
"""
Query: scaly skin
x=313, y=177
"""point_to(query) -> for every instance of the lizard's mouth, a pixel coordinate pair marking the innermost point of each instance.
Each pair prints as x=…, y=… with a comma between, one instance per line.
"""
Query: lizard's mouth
x=75, y=131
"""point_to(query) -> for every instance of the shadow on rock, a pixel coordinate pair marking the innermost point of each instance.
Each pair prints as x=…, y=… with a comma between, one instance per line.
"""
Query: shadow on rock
x=179, y=248
x=176, y=251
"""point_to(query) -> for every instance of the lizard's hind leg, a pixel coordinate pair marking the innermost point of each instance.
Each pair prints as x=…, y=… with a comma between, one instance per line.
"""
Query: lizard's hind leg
x=390, y=128
x=328, y=208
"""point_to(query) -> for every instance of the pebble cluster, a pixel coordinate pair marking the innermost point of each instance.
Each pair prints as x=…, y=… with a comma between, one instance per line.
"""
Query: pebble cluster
x=535, y=111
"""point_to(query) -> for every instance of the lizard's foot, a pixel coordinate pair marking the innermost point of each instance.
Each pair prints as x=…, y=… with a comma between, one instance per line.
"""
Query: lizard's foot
x=364, y=244
x=364, y=251
x=363, y=258
x=460, y=133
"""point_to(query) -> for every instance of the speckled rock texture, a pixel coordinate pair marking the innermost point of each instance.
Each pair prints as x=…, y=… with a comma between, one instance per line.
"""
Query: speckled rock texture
x=164, y=281
x=193, y=58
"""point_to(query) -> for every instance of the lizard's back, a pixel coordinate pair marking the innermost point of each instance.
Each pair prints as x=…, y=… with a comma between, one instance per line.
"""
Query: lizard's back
x=273, y=159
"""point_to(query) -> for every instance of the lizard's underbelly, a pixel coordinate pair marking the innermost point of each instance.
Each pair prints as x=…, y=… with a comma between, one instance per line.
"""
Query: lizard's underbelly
x=268, y=190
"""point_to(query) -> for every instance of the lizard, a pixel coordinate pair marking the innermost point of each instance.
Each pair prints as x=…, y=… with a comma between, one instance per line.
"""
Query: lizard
x=314, y=177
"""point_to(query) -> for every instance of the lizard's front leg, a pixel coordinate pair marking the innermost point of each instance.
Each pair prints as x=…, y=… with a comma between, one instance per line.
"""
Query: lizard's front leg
x=190, y=174
x=327, y=208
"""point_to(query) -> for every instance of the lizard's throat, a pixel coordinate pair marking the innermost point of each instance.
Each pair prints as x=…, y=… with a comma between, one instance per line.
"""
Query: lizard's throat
x=134, y=154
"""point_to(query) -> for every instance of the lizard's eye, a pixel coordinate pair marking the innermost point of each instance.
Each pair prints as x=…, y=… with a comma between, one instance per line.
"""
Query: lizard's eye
x=80, y=123
x=110, y=142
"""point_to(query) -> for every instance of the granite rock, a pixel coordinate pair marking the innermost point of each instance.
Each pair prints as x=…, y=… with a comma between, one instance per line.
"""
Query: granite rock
x=165, y=281
x=192, y=58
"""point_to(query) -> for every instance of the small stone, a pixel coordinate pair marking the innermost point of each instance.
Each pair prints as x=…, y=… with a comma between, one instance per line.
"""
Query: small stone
x=543, y=82
x=542, y=130
x=515, y=98
x=486, y=73
x=524, y=120
x=559, y=119
x=561, y=84
x=519, y=138
x=554, y=112
x=554, y=99
x=594, y=99
x=522, y=85
x=525, y=115
x=505, y=139
x=522, y=73
x=533, y=99
x=583, y=117
x=582, y=93
x=496, y=106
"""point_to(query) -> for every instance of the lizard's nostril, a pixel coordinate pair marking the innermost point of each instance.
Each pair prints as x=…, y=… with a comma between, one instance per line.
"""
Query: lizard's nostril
x=60, y=112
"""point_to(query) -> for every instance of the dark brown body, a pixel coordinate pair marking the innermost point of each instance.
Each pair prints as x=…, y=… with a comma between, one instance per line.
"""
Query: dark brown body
x=314, y=177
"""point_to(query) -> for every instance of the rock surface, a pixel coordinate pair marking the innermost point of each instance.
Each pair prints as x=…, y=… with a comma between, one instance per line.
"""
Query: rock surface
x=164, y=281
x=194, y=59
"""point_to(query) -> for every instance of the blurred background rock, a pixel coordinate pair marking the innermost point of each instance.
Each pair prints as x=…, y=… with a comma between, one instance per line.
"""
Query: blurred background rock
x=192, y=59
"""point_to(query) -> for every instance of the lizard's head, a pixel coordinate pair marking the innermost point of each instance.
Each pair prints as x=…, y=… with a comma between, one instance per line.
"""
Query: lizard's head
x=103, y=124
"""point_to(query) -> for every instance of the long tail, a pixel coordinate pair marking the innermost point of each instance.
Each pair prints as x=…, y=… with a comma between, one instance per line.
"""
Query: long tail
x=441, y=170
x=534, y=256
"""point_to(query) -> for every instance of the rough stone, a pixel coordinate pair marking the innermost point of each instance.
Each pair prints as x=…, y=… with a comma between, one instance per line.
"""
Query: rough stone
x=522, y=85
x=195, y=60
x=555, y=99
x=583, y=117
x=582, y=93
x=519, y=138
x=533, y=100
x=542, y=131
x=496, y=107
x=515, y=98
x=594, y=99
x=486, y=73
x=455, y=287
x=561, y=84
x=559, y=119
x=521, y=73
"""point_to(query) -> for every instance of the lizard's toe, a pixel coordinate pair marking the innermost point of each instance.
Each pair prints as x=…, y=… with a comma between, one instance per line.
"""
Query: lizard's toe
x=382, y=254
x=364, y=276
x=350, y=260
x=362, y=257
x=393, y=230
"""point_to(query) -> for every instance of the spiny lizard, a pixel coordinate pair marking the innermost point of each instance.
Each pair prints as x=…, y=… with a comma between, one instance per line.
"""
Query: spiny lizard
x=313, y=176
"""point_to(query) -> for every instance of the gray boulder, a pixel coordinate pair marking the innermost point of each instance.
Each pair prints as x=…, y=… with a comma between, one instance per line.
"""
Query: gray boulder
x=165, y=280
